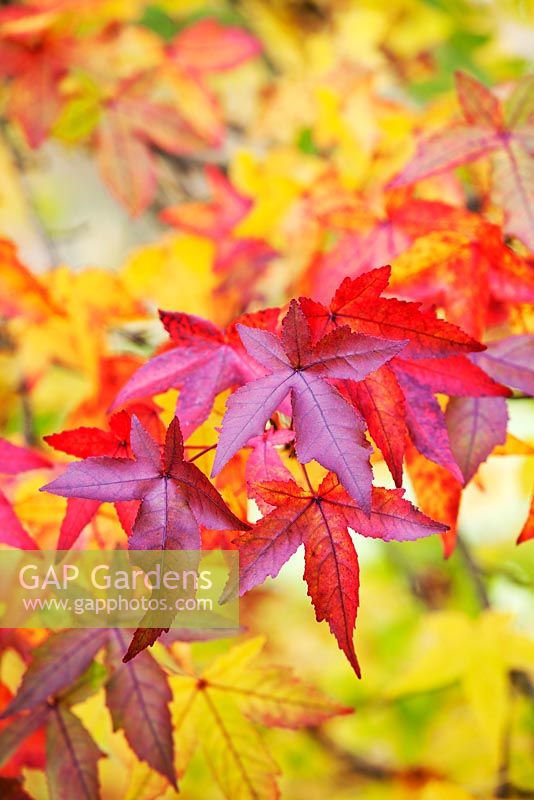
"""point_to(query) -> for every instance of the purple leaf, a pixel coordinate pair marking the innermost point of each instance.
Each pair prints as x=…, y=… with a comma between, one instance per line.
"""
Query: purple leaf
x=12, y=736
x=176, y=496
x=426, y=423
x=510, y=361
x=476, y=426
x=56, y=664
x=138, y=697
x=327, y=428
x=71, y=758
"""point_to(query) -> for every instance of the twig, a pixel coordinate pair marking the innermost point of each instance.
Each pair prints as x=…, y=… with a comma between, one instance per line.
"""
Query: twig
x=308, y=481
x=28, y=430
x=369, y=769
x=18, y=162
x=474, y=572
x=202, y=453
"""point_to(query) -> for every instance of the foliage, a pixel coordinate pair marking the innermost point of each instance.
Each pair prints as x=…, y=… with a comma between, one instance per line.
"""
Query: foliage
x=333, y=214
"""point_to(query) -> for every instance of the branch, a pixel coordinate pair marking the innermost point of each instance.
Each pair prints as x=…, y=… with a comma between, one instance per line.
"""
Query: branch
x=18, y=162
x=369, y=769
x=474, y=572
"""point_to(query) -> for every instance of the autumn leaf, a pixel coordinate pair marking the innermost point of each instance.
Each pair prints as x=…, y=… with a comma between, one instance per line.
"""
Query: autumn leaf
x=57, y=672
x=72, y=757
x=509, y=361
x=131, y=125
x=219, y=710
x=476, y=426
x=438, y=493
x=57, y=664
x=15, y=460
x=176, y=496
x=327, y=428
x=488, y=129
x=138, y=697
x=87, y=442
x=21, y=291
x=397, y=400
x=209, y=46
x=320, y=520
x=203, y=362
x=468, y=274
x=36, y=59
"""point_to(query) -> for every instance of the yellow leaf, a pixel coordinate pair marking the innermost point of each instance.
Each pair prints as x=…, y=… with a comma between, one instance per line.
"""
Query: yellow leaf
x=219, y=709
x=479, y=653
x=173, y=274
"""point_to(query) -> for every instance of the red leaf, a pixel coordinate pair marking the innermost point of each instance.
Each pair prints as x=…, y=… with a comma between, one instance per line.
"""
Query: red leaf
x=319, y=520
x=527, y=533
x=438, y=494
x=208, y=46
x=11, y=531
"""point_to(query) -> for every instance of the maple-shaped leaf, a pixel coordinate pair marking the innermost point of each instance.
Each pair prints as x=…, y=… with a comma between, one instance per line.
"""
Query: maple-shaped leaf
x=397, y=400
x=387, y=232
x=320, y=520
x=56, y=664
x=35, y=57
x=219, y=710
x=327, y=428
x=357, y=302
x=489, y=128
x=85, y=442
x=471, y=275
x=203, y=362
x=176, y=496
x=191, y=58
x=71, y=757
x=132, y=123
x=137, y=693
x=58, y=677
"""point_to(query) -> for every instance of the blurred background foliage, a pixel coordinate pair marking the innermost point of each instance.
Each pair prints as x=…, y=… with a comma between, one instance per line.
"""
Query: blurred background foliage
x=342, y=82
